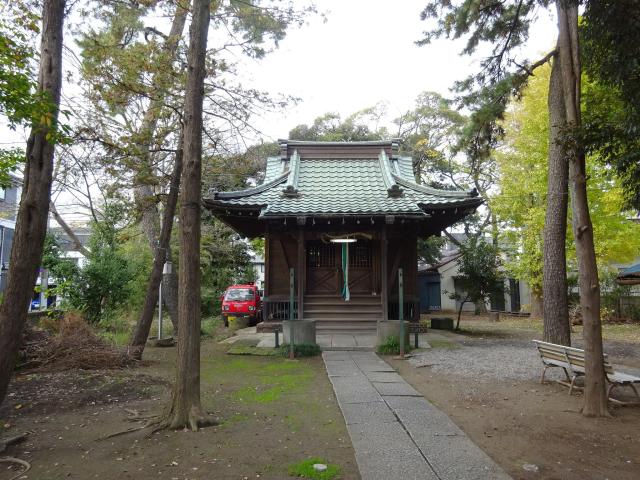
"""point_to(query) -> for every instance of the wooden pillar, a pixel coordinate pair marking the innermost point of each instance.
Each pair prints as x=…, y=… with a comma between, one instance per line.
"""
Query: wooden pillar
x=301, y=272
x=384, y=292
x=266, y=290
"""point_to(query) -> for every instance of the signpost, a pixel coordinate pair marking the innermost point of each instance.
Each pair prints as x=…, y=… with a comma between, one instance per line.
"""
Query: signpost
x=292, y=352
x=166, y=270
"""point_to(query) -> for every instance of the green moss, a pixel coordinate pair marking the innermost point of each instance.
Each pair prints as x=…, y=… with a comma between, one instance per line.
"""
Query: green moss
x=252, y=350
x=273, y=387
x=305, y=469
x=236, y=418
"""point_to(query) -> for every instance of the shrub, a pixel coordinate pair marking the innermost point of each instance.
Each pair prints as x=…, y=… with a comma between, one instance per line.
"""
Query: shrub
x=391, y=346
x=302, y=350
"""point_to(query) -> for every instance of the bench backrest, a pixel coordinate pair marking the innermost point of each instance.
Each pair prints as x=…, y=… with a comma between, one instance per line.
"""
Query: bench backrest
x=574, y=357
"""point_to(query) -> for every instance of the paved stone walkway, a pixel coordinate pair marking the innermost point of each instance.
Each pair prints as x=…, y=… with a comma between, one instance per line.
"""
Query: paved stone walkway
x=395, y=432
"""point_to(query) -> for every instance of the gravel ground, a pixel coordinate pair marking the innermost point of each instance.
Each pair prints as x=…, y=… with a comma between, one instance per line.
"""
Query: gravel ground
x=496, y=359
x=499, y=362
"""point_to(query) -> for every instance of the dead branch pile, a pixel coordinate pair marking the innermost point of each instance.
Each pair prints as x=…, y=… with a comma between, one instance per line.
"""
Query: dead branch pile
x=74, y=346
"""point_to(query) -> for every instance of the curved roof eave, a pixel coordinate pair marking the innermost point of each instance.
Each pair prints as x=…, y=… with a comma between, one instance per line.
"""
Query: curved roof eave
x=250, y=191
x=434, y=191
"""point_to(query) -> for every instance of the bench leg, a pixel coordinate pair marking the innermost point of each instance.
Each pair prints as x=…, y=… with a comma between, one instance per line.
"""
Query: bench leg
x=635, y=390
x=573, y=379
x=544, y=370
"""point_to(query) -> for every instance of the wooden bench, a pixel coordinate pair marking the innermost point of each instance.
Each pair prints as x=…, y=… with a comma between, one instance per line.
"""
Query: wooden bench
x=571, y=360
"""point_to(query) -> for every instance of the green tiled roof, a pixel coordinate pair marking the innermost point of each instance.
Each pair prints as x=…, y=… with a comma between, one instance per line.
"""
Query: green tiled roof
x=342, y=186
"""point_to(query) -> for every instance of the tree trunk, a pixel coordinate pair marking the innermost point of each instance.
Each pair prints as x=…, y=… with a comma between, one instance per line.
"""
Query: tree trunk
x=185, y=409
x=141, y=332
x=144, y=195
x=556, y=326
x=460, y=314
x=537, y=307
x=595, y=396
x=31, y=224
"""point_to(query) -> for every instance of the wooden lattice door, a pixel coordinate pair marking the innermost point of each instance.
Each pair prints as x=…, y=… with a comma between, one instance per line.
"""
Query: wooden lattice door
x=361, y=267
x=323, y=268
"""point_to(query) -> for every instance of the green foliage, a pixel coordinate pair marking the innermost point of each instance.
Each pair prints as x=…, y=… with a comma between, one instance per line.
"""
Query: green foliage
x=104, y=286
x=305, y=469
x=225, y=261
x=480, y=273
x=427, y=132
x=301, y=350
x=611, y=48
x=391, y=346
x=429, y=249
x=21, y=103
x=63, y=271
x=503, y=27
x=331, y=128
x=521, y=204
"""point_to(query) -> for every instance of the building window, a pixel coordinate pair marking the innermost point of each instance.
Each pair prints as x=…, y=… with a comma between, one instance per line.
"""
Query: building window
x=3, y=194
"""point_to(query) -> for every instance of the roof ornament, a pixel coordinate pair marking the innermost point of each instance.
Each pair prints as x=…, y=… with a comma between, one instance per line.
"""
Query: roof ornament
x=393, y=189
x=291, y=188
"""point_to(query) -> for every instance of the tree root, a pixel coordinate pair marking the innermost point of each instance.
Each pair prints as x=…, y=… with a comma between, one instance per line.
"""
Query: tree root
x=24, y=463
x=12, y=441
x=168, y=421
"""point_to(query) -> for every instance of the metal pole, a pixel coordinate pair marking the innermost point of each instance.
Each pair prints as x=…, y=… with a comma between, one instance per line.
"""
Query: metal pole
x=401, y=310
x=291, y=316
x=160, y=312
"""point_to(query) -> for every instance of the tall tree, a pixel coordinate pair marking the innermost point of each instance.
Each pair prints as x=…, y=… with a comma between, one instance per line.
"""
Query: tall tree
x=556, y=328
x=595, y=393
x=31, y=224
x=505, y=25
x=523, y=176
x=185, y=409
x=161, y=255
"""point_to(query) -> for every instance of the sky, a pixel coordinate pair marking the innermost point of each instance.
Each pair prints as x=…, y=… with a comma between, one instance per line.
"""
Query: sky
x=363, y=54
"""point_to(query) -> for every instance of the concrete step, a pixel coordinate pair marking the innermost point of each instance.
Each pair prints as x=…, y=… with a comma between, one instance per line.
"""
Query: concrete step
x=336, y=312
x=333, y=299
x=346, y=326
x=344, y=318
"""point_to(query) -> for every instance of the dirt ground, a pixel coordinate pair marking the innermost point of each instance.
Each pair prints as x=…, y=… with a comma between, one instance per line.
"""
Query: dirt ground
x=520, y=423
x=272, y=412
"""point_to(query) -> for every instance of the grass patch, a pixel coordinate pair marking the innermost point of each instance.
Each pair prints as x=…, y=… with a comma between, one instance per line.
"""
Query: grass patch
x=305, y=469
x=391, y=346
x=275, y=380
x=252, y=350
x=117, y=338
x=210, y=325
x=236, y=418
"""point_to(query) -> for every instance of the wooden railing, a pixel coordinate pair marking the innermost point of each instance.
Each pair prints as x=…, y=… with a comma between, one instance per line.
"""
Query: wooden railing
x=411, y=310
x=276, y=308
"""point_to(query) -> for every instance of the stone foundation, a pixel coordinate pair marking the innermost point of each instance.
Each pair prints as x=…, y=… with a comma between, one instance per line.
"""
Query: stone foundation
x=304, y=331
x=390, y=328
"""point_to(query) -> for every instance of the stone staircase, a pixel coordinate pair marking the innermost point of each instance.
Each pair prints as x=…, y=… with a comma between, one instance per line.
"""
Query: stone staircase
x=361, y=313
